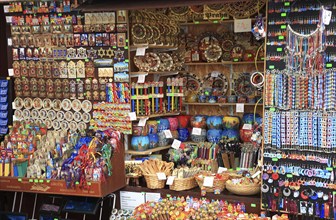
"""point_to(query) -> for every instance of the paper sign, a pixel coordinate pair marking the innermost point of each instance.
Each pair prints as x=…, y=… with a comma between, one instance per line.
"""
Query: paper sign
x=214, y=74
x=131, y=200
x=176, y=144
x=256, y=174
x=170, y=180
x=15, y=118
x=9, y=19
x=10, y=72
x=142, y=122
x=247, y=127
x=152, y=197
x=13, y=105
x=168, y=134
x=208, y=181
x=140, y=51
x=196, y=131
x=221, y=169
x=6, y=8
x=161, y=176
x=132, y=116
x=242, y=25
x=141, y=78
x=240, y=107
x=326, y=16
x=9, y=42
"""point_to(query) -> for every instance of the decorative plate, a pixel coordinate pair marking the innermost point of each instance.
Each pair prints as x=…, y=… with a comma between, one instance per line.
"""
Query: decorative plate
x=197, y=9
x=56, y=125
x=76, y=105
x=86, y=106
x=73, y=126
x=60, y=116
x=68, y=116
x=138, y=31
x=18, y=103
x=26, y=114
x=43, y=113
x=226, y=56
x=179, y=10
x=141, y=64
x=51, y=115
x=243, y=86
x=243, y=9
x=57, y=105
x=166, y=62
x=37, y=103
x=39, y=121
x=191, y=82
x=48, y=123
x=66, y=104
x=213, y=53
x=81, y=126
x=205, y=40
x=237, y=52
x=34, y=113
x=77, y=116
x=64, y=125
x=216, y=7
x=27, y=103
x=216, y=82
x=227, y=45
x=86, y=117
x=153, y=60
x=47, y=104
x=18, y=114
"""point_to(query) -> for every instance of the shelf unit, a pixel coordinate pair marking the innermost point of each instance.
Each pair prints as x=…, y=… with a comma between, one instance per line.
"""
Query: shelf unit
x=160, y=115
x=154, y=47
x=221, y=104
x=156, y=75
x=147, y=152
x=223, y=21
x=223, y=63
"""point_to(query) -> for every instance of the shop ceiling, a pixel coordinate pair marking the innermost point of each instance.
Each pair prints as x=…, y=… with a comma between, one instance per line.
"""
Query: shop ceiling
x=104, y=5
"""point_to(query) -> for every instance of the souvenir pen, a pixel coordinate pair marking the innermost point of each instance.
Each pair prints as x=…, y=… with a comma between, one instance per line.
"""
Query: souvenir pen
x=168, y=95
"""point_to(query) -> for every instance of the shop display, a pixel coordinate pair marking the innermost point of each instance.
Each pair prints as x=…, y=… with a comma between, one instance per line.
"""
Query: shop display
x=298, y=172
x=5, y=109
x=184, y=178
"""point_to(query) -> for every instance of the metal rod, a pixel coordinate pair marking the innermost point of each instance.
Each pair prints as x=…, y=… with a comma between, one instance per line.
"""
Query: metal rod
x=84, y=216
x=21, y=202
x=33, y=217
x=101, y=210
x=13, y=207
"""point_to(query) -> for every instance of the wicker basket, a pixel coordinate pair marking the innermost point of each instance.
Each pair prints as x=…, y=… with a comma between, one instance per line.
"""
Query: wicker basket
x=243, y=190
x=183, y=184
x=217, y=184
x=153, y=181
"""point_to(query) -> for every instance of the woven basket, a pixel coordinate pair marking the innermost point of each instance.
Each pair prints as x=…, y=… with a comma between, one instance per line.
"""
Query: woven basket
x=217, y=184
x=183, y=184
x=243, y=190
x=153, y=181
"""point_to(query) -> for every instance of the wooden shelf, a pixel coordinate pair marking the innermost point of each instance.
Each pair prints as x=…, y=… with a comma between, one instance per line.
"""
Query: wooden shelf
x=223, y=63
x=163, y=73
x=58, y=187
x=154, y=47
x=252, y=203
x=147, y=152
x=224, y=21
x=221, y=104
x=160, y=115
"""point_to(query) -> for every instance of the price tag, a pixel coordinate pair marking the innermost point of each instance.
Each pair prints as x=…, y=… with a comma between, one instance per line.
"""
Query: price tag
x=329, y=169
x=247, y=127
x=287, y=3
x=196, y=131
x=221, y=169
x=9, y=42
x=41, y=181
x=256, y=174
x=48, y=181
x=283, y=14
x=9, y=19
x=279, y=49
x=132, y=116
x=275, y=159
x=30, y=180
x=289, y=176
x=13, y=105
x=329, y=65
x=281, y=37
x=253, y=205
x=35, y=181
x=272, y=109
x=10, y=72
x=141, y=78
x=271, y=67
x=240, y=107
x=142, y=122
x=208, y=181
x=326, y=16
x=283, y=26
x=176, y=144
x=214, y=74
x=170, y=180
x=140, y=51
x=168, y=134
x=161, y=176
x=20, y=180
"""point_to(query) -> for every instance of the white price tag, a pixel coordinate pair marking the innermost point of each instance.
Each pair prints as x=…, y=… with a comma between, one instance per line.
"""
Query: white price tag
x=326, y=16
x=196, y=131
x=170, y=180
x=15, y=118
x=208, y=181
x=247, y=127
x=132, y=116
x=214, y=74
x=6, y=8
x=221, y=169
x=141, y=78
x=242, y=25
x=168, y=134
x=161, y=176
x=9, y=42
x=240, y=107
x=140, y=51
x=142, y=122
x=13, y=105
x=9, y=19
x=10, y=72
x=176, y=144
x=256, y=174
